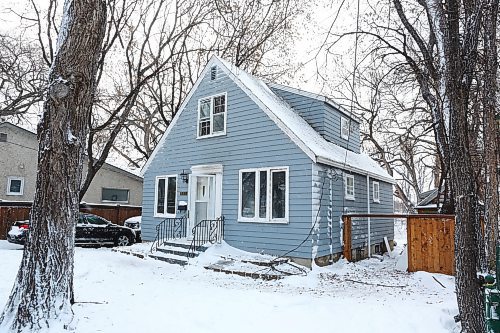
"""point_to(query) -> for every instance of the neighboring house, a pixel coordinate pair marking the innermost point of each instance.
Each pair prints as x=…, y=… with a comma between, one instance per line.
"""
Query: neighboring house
x=18, y=164
x=427, y=202
x=270, y=159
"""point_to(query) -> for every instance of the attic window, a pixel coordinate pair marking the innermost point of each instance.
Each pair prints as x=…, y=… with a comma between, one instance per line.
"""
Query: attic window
x=213, y=73
x=212, y=116
x=3, y=137
x=344, y=128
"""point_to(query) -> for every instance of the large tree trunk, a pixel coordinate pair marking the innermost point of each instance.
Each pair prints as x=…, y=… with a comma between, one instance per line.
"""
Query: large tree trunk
x=490, y=133
x=42, y=293
x=460, y=63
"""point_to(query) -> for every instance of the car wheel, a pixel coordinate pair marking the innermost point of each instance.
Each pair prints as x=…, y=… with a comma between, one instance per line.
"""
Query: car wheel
x=122, y=240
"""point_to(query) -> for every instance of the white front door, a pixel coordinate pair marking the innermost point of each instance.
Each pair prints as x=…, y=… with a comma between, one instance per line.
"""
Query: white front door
x=205, y=195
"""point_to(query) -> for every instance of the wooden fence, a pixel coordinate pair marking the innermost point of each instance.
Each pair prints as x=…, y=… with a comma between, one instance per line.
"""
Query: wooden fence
x=16, y=211
x=431, y=244
x=430, y=240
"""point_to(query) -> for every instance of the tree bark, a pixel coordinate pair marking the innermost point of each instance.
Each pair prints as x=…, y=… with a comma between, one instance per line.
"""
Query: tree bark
x=490, y=134
x=460, y=61
x=42, y=292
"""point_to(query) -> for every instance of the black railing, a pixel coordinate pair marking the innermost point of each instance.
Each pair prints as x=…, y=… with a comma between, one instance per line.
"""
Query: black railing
x=206, y=231
x=171, y=228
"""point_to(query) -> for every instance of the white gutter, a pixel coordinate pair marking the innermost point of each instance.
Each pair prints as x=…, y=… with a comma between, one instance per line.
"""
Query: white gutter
x=345, y=166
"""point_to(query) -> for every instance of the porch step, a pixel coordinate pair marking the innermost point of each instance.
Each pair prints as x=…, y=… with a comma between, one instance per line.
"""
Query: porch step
x=171, y=259
x=181, y=252
x=182, y=244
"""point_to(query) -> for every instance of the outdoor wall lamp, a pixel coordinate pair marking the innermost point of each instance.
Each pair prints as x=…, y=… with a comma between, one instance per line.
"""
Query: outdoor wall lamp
x=184, y=176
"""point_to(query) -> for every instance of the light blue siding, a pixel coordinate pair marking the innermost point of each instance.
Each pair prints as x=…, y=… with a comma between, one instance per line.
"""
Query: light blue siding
x=252, y=140
x=334, y=205
x=324, y=118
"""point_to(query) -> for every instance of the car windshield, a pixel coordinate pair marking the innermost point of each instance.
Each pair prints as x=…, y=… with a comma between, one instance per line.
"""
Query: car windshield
x=96, y=220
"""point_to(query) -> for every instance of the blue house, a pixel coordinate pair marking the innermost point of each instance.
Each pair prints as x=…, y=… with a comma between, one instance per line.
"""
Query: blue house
x=280, y=165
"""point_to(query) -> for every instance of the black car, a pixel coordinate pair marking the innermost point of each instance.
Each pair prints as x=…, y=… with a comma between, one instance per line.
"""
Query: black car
x=90, y=230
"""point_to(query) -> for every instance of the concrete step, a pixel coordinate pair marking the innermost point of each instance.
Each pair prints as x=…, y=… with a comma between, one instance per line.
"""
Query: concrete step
x=171, y=259
x=183, y=244
x=178, y=251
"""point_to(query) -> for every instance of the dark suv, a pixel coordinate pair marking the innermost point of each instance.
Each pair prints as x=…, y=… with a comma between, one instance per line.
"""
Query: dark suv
x=90, y=230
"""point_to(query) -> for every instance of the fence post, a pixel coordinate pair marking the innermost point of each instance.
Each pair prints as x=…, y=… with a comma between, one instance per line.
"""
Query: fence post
x=347, y=237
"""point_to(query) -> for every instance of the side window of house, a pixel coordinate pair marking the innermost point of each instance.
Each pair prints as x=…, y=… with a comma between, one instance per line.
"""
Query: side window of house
x=212, y=113
x=263, y=195
x=344, y=128
x=166, y=195
x=15, y=185
x=376, y=192
x=3, y=137
x=349, y=187
x=115, y=194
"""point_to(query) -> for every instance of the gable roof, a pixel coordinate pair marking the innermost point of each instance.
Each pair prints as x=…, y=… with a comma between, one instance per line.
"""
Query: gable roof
x=293, y=125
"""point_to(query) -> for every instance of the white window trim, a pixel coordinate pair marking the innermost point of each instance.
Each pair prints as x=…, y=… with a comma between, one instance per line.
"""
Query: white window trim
x=11, y=178
x=212, y=134
x=166, y=215
x=346, y=195
x=342, y=132
x=268, y=218
x=117, y=201
x=376, y=198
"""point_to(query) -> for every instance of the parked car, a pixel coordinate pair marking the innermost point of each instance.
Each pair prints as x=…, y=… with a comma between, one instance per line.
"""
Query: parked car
x=90, y=230
x=134, y=223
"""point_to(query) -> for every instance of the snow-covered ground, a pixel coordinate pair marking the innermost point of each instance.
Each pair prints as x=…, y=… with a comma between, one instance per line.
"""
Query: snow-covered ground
x=121, y=293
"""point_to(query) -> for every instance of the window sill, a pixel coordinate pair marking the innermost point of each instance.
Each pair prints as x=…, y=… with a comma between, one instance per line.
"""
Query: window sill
x=242, y=220
x=350, y=198
x=16, y=194
x=113, y=201
x=376, y=201
x=211, y=135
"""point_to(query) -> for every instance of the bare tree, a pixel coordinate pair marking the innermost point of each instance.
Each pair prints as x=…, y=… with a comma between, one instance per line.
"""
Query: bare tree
x=22, y=74
x=42, y=294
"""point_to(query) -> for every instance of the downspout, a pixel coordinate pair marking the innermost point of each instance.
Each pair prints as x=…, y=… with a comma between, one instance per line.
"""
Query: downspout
x=369, y=212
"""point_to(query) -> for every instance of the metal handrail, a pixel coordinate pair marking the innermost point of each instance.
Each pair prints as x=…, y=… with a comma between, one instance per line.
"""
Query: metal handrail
x=170, y=228
x=206, y=231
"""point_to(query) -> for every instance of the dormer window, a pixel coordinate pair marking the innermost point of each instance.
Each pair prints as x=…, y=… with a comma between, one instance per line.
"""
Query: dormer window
x=344, y=128
x=212, y=116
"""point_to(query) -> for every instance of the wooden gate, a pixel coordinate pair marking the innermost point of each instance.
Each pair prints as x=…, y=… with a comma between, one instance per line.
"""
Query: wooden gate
x=430, y=240
x=431, y=243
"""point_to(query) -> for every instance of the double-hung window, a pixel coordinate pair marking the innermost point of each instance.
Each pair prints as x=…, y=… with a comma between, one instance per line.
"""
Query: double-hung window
x=349, y=187
x=165, y=196
x=263, y=195
x=376, y=191
x=344, y=128
x=212, y=113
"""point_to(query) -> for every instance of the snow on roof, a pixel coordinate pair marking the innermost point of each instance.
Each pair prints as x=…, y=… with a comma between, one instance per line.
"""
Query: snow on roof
x=302, y=133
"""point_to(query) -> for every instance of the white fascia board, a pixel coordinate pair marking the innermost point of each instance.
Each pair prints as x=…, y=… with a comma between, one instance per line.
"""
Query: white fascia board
x=178, y=114
x=318, y=97
x=348, y=167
